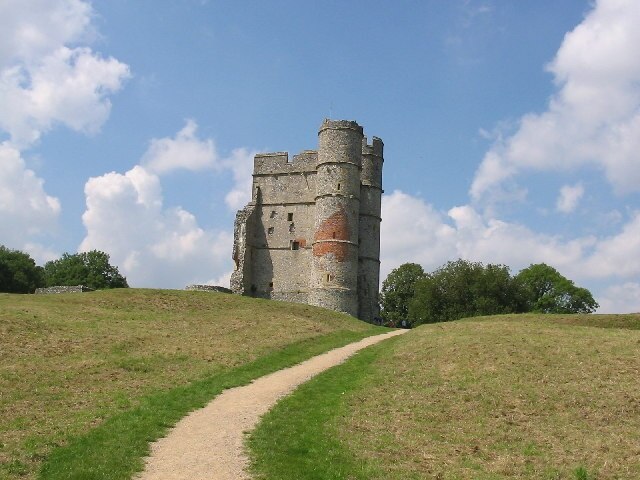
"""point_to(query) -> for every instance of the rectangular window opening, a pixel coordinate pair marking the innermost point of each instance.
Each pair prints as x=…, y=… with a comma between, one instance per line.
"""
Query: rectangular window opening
x=290, y=217
x=270, y=230
x=295, y=245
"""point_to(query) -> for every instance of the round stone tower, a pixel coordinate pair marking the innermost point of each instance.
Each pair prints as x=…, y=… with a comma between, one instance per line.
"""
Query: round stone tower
x=334, y=275
x=369, y=229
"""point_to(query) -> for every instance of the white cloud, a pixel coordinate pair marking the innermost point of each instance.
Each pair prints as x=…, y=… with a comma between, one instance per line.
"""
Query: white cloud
x=624, y=298
x=593, y=119
x=512, y=244
x=44, y=81
x=431, y=238
x=33, y=29
x=153, y=246
x=40, y=253
x=26, y=211
x=185, y=151
x=617, y=255
x=69, y=86
x=241, y=165
x=157, y=245
x=412, y=231
x=569, y=198
x=223, y=280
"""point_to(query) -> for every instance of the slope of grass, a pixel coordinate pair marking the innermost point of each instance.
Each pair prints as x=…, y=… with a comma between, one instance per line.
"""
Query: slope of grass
x=297, y=439
x=71, y=365
x=531, y=397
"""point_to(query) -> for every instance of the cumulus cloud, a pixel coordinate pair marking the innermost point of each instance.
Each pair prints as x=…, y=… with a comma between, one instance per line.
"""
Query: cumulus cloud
x=46, y=78
x=617, y=255
x=157, y=245
x=594, y=117
x=154, y=246
x=69, y=86
x=623, y=298
x=185, y=151
x=32, y=29
x=40, y=253
x=26, y=210
x=426, y=238
x=44, y=81
x=431, y=238
x=240, y=162
x=497, y=241
x=569, y=198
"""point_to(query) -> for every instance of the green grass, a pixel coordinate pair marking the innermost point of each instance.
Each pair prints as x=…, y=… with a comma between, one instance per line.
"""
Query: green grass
x=530, y=397
x=296, y=440
x=87, y=380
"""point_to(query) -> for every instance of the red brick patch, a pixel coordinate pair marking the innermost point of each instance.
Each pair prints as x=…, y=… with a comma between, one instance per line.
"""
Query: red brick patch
x=335, y=227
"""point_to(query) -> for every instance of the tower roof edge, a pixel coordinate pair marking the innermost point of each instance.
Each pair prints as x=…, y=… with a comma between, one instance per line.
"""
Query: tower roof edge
x=328, y=124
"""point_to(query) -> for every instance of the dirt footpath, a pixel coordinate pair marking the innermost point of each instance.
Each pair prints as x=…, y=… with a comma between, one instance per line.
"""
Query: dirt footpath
x=208, y=443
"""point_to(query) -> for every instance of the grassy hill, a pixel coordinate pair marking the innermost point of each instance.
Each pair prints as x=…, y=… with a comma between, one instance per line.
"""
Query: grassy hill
x=76, y=364
x=528, y=397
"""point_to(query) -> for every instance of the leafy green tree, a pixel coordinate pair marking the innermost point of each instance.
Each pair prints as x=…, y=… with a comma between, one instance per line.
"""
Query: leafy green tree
x=465, y=289
x=88, y=268
x=398, y=290
x=19, y=272
x=547, y=291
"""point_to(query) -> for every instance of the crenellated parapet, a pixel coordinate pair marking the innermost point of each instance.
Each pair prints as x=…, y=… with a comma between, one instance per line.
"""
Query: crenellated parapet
x=375, y=148
x=372, y=161
x=278, y=163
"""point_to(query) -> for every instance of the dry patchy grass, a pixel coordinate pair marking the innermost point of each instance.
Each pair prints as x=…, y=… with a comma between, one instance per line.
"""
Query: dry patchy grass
x=67, y=362
x=503, y=397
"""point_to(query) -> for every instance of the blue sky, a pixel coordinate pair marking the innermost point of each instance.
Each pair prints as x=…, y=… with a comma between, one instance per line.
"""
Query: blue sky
x=511, y=129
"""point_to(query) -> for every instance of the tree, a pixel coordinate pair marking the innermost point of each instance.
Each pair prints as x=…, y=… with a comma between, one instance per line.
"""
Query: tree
x=465, y=289
x=547, y=291
x=88, y=268
x=398, y=290
x=18, y=272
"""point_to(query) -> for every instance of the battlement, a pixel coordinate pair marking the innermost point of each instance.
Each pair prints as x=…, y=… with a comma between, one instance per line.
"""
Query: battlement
x=376, y=147
x=340, y=125
x=277, y=163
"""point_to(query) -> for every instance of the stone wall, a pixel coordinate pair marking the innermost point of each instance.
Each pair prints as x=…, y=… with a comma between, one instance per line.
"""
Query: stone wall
x=241, y=276
x=64, y=289
x=208, y=288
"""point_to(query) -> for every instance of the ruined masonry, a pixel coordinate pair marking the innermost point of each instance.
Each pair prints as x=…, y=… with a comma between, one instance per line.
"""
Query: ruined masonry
x=311, y=233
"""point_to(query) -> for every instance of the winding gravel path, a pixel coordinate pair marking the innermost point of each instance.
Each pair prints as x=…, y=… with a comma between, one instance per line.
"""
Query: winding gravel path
x=208, y=443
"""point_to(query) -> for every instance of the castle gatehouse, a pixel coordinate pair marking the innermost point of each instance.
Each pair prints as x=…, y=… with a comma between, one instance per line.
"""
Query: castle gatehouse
x=311, y=232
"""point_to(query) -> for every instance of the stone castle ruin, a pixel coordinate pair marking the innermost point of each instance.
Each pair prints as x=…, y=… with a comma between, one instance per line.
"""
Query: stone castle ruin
x=311, y=232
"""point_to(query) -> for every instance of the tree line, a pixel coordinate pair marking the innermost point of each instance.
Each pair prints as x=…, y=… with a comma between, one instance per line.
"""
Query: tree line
x=20, y=274
x=462, y=289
